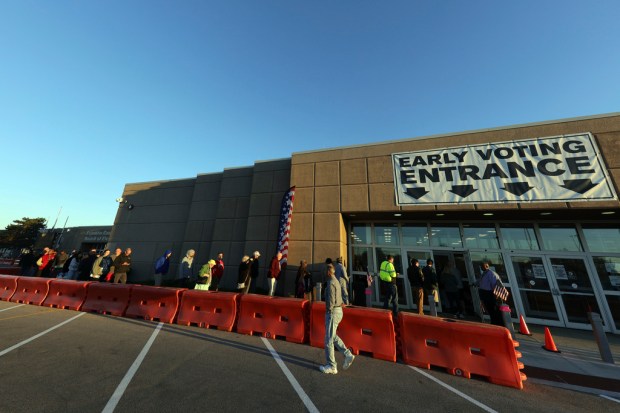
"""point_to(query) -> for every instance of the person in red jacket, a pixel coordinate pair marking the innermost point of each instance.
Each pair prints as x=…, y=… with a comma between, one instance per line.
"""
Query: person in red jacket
x=217, y=271
x=274, y=273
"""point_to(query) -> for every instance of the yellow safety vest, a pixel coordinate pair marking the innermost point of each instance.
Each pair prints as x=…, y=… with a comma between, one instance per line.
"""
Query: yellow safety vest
x=387, y=271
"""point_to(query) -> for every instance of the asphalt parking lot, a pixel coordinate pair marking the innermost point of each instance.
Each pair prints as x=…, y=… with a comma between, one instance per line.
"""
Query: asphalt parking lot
x=65, y=361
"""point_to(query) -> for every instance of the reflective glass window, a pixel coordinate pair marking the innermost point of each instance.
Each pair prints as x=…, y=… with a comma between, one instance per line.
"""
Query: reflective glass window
x=480, y=236
x=386, y=234
x=415, y=235
x=362, y=259
x=602, y=239
x=519, y=237
x=360, y=234
x=608, y=270
x=496, y=260
x=560, y=238
x=446, y=236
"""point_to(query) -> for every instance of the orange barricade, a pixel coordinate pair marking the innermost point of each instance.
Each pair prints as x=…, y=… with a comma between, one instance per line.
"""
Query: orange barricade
x=153, y=303
x=8, y=285
x=370, y=330
x=31, y=290
x=107, y=298
x=66, y=294
x=273, y=317
x=463, y=348
x=208, y=309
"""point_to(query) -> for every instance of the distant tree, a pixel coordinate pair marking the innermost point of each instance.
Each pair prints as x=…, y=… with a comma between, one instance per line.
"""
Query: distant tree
x=22, y=233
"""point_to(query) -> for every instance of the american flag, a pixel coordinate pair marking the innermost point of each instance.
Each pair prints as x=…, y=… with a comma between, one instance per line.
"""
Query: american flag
x=286, y=215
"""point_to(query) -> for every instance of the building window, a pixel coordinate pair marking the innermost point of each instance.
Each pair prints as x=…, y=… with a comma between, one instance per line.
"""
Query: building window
x=415, y=235
x=608, y=269
x=386, y=234
x=360, y=234
x=446, y=236
x=519, y=237
x=600, y=239
x=480, y=236
x=560, y=238
x=363, y=259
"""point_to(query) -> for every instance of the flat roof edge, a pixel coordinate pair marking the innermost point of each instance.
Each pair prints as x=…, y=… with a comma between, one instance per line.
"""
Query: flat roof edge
x=444, y=135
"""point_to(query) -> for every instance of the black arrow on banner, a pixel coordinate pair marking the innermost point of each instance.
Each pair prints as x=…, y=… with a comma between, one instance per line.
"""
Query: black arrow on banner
x=517, y=188
x=463, y=190
x=417, y=193
x=579, y=185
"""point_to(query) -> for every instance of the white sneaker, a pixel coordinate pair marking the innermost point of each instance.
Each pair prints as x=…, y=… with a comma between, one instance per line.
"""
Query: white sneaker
x=348, y=360
x=328, y=369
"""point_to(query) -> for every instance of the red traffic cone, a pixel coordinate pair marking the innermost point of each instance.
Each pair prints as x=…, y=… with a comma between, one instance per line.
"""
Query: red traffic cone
x=523, y=327
x=549, y=344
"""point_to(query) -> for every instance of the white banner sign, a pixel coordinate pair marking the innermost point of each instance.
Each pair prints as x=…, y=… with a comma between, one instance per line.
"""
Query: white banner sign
x=565, y=168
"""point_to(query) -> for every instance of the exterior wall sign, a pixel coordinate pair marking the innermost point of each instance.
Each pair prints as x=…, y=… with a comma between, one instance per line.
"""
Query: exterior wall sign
x=564, y=168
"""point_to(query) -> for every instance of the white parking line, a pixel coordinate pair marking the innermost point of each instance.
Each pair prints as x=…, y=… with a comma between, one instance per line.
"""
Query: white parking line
x=10, y=308
x=609, y=398
x=8, y=350
x=300, y=392
x=120, y=390
x=455, y=391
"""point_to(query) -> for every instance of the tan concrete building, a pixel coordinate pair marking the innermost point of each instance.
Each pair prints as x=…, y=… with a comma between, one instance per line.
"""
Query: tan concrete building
x=538, y=200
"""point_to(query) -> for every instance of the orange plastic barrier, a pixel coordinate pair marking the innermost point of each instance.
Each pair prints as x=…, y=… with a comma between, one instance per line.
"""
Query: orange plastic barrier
x=31, y=290
x=370, y=330
x=8, y=285
x=66, y=294
x=208, y=309
x=463, y=348
x=153, y=303
x=273, y=317
x=107, y=298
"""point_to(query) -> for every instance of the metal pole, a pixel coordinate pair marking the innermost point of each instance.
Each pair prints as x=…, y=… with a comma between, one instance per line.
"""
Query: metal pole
x=601, y=338
x=505, y=310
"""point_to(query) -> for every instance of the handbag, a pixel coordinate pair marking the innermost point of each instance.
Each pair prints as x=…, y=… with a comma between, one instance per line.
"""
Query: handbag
x=500, y=292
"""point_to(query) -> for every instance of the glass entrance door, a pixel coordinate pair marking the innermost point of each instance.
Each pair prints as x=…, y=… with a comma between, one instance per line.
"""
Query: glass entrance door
x=574, y=288
x=555, y=290
x=536, y=290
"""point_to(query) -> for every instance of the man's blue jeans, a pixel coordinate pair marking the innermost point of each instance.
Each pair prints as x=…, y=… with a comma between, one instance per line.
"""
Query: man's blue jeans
x=391, y=298
x=331, y=338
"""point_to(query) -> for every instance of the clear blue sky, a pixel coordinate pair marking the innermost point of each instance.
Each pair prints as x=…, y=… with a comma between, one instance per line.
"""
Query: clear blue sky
x=96, y=94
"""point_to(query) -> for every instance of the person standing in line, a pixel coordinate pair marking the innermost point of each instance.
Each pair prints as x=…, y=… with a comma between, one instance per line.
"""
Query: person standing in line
x=300, y=279
x=72, y=263
x=244, y=274
x=341, y=272
x=217, y=272
x=26, y=262
x=59, y=263
x=86, y=265
x=431, y=284
x=106, y=266
x=274, y=273
x=162, y=265
x=388, y=274
x=416, y=280
x=333, y=317
x=487, y=284
x=185, y=277
x=253, y=273
x=122, y=265
x=96, y=270
x=110, y=276
x=205, y=276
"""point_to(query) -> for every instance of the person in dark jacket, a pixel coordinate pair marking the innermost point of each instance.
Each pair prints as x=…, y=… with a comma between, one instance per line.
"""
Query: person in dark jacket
x=416, y=280
x=86, y=265
x=106, y=265
x=162, y=265
x=254, y=272
x=122, y=265
x=244, y=275
x=274, y=273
